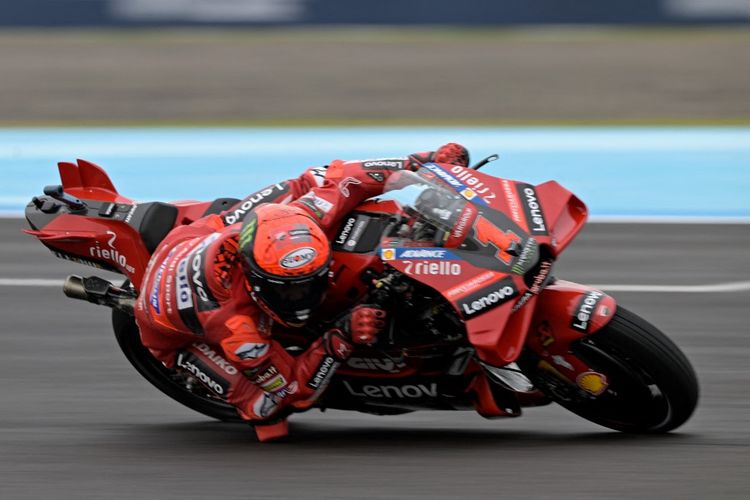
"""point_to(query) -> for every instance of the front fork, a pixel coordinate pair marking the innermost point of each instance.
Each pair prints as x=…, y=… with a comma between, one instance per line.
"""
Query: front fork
x=567, y=312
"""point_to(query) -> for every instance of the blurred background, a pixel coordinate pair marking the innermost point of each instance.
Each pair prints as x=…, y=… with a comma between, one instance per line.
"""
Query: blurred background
x=570, y=90
x=640, y=107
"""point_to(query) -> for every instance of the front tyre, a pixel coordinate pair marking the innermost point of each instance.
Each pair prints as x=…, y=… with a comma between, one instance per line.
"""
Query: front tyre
x=652, y=388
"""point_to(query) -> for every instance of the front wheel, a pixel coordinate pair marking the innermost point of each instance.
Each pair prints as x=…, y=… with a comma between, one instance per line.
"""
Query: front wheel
x=652, y=388
x=170, y=382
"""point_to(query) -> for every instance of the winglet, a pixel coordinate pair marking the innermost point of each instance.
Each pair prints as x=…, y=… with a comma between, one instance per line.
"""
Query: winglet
x=69, y=175
x=93, y=176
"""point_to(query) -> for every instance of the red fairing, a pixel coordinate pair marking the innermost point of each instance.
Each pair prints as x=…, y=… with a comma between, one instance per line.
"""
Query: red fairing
x=573, y=309
x=114, y=243
x=565, y=213
x=565, y=313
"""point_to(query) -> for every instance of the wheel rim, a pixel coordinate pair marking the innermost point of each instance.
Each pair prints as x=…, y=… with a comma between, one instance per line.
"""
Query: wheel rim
x=633, y=399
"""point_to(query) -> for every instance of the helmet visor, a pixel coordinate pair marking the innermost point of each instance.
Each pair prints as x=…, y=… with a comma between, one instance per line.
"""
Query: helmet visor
x=291, y=299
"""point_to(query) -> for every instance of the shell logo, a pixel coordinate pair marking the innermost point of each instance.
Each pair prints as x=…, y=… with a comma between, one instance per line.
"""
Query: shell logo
x=388, y=254
x=468, y=194
x=592, y=382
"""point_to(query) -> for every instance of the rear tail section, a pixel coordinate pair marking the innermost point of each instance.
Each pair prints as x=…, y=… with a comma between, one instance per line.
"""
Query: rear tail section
x=87, y=180
x=86, y=220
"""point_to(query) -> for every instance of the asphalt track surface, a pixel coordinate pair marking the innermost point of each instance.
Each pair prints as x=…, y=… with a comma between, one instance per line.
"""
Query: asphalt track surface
x=76, y=421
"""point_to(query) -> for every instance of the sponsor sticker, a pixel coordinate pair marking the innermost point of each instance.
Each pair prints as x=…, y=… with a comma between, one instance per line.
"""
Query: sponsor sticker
x=426, y=253
x=320, y=203
x=345, y=231
x=383, y=164
x=198, y=369
x=463, y=223
x=585, y=310
x=533, y=210
x=111, y=254
x=206, y=299
x=488, y=298
x=319, y=174
x=323, y=373
x=512, y=200
x=432, y=268
x=251, y=350
x=468, y=194
x=527, y=258
x=298, y=258
x=216, y=358
x=344, y=185
x=311, y=206
x=470, y=285
x=184, y=296
x=476, y=187
x=154, y=297
x=388, y=254
x=592, y=382
x=247, y=233
x=268, y=194
x=405, y=391
x=377, y=176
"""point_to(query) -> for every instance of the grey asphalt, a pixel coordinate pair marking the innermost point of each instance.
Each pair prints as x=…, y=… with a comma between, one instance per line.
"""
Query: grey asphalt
x=76, y=421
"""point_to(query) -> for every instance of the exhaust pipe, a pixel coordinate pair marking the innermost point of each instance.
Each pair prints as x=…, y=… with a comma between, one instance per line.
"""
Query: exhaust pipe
x=99, y=291
x=73, y=288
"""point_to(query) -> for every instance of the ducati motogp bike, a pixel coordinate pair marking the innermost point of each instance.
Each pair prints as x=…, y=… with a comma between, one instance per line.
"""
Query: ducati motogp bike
x=463, y=263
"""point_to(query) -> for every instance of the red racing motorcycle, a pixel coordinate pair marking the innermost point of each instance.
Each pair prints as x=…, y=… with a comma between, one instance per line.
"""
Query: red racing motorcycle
x=463, y=263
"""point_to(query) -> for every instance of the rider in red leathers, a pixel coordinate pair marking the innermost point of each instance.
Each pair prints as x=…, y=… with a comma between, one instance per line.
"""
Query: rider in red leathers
x=220, y=284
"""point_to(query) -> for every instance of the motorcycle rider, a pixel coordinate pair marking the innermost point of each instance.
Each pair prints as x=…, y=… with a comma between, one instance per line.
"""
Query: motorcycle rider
x=225, y=279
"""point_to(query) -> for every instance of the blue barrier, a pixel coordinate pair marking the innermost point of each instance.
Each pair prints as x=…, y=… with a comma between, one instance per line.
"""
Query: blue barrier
x=618, y=172
x=317, y=12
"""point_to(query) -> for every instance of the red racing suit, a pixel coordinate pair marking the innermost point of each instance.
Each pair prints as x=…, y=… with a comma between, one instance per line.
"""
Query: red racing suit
x=195, y=312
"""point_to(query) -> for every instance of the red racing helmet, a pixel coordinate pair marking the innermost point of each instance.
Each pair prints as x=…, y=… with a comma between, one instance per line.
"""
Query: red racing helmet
x=286, y=257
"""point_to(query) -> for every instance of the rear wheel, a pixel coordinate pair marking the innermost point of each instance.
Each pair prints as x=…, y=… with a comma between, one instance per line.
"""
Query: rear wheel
x=652, y=388
x=175, y=385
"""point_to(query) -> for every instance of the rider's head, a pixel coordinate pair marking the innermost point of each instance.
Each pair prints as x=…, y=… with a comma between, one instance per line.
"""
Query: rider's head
x=286, y=257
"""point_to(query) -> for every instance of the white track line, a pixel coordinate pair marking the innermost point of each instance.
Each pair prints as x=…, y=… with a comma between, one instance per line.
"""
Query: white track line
x=31, y=282
x=736, y=286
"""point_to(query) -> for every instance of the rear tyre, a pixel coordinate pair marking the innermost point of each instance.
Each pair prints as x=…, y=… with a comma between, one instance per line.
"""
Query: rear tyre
x=652, y=388
x=167, y=381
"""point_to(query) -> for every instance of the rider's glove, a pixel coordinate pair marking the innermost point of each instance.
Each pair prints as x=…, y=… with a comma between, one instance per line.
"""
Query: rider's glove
x=452, y=153
x=337, y=345
x=365, y=323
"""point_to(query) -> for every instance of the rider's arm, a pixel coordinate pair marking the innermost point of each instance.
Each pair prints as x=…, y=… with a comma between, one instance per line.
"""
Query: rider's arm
x=286, y=380
x=343, y=186
x=329, y=194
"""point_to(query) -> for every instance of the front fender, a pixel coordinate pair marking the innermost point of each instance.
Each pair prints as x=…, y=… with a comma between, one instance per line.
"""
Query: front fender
x=566, y=311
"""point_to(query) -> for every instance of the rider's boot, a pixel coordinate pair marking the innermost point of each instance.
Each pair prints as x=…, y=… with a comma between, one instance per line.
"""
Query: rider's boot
x=272, y=432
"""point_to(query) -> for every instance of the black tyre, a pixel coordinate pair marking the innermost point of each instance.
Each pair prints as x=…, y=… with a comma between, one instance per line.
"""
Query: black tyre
x=652, y=388
x=167, y=381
